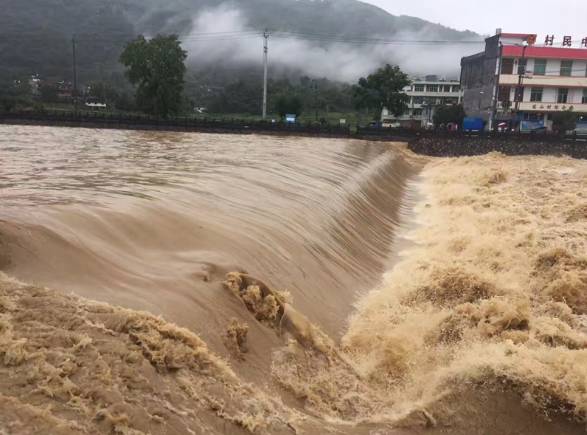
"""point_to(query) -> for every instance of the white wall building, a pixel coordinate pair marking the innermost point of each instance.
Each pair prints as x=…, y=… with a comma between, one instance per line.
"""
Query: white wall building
x=517, y=80
x=425, y=95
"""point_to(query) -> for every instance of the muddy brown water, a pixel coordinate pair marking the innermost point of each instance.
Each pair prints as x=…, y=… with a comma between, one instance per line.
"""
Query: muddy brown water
x=154, y=221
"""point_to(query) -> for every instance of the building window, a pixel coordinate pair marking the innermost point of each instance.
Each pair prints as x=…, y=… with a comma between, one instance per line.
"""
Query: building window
x=584, y=100
x=418, y=88
x=563, y=95
x=522, y=64
x=417, y=112
x=507, y=66
x=539, y=67
x=536, y=94
x=432, y=88
x=446, y=88
x=456, y=88
x=566, y=68
x=418, y=100
x=519, y=94
x=504, y=93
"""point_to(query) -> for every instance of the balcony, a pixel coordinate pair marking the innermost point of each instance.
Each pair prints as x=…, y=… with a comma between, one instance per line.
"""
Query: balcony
x=544, y=81
x=435, y=94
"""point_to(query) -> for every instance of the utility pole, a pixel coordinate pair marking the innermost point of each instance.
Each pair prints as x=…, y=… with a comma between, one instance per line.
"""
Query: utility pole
x=74, y=92
x=493, y=120
x=315, y=89
x=265, y=53
x=521, y=74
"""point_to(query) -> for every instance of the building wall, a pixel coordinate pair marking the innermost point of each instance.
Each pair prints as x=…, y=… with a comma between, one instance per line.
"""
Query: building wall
x=480, y=71
x=550, y=83
x=478, y=79
x=422, y=112
x=553, y=67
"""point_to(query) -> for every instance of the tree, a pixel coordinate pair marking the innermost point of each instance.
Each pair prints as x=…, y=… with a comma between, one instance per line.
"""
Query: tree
x=288, y=104
x=238, y=97
x=383, y=88
x=14, y=93
x=157, y=68
x=564, y=121
x=448, y=114
x=49, y=93
x=103, y=91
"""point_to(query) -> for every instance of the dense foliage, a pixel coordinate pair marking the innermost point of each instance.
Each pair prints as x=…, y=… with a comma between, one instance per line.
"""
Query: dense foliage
x=245, y=96
x=449, y=114
x=157, y=68
x=383, y=88
x=35, y=35
x=288, y=105
x=13, y=93
x=564, y=121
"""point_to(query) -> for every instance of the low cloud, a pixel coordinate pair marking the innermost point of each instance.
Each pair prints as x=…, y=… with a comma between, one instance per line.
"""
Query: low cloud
x=334, y=60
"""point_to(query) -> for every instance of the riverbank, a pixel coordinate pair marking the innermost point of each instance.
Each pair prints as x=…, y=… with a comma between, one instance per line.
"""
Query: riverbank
x=430, y=143
x=105, y=120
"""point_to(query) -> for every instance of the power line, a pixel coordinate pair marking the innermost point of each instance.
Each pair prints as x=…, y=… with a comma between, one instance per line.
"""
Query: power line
x=241, y=34
x=283, y=34
x=360, y=40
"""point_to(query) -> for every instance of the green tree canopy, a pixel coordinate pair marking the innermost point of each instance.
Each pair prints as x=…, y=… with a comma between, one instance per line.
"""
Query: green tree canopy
x=289, y=104
x=383, y=88
x=449, y=113
x=238, y=97
x=14, y=93
x=564, y=121
x=157, y=68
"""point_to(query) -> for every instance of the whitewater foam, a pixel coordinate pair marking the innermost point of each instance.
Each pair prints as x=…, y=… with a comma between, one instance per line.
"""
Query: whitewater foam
x=479, y=327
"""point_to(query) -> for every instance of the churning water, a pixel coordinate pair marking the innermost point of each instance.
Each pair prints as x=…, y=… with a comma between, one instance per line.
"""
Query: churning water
x=480, y=303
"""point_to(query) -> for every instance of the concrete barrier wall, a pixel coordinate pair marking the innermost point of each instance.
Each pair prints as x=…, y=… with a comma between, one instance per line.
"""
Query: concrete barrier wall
x=444, y=146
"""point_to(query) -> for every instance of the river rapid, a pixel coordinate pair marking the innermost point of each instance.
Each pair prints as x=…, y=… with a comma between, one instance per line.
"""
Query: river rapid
x=300, y=284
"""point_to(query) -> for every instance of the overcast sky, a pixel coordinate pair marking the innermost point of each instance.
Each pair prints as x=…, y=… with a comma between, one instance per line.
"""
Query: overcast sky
x=559, y=17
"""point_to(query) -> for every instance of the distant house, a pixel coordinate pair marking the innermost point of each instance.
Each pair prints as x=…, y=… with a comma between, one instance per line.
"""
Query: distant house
x=426, y=94
x=35, y=86
x=64, y=90
x=95, y=103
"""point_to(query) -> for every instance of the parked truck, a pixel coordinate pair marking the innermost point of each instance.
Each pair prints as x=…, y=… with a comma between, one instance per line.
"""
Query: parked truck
x=473, y=124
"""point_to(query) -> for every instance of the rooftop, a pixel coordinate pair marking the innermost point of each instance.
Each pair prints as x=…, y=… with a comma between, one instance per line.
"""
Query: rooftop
x=516, y=35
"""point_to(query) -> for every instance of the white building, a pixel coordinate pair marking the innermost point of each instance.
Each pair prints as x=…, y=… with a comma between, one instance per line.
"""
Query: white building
x=35, y=85
x=517, y=80
x=425, y=95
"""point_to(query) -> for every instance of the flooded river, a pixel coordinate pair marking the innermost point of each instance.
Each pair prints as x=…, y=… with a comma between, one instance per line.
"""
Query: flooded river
x=370, y=288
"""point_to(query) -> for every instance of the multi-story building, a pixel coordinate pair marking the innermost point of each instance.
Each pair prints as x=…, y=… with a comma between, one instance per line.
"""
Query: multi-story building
x=426, y=94
x=517, y=80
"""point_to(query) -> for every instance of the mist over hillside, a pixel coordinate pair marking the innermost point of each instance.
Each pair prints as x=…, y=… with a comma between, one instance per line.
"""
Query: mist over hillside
x=35, y=36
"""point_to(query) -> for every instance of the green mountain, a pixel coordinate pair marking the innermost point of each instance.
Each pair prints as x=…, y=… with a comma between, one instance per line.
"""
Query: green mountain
x=35, y=35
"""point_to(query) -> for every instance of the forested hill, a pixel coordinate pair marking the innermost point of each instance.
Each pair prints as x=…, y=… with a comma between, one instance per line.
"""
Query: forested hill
x=35, y=35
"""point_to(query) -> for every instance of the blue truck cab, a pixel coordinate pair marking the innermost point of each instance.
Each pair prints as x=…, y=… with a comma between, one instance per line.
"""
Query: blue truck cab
x=473, y=124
